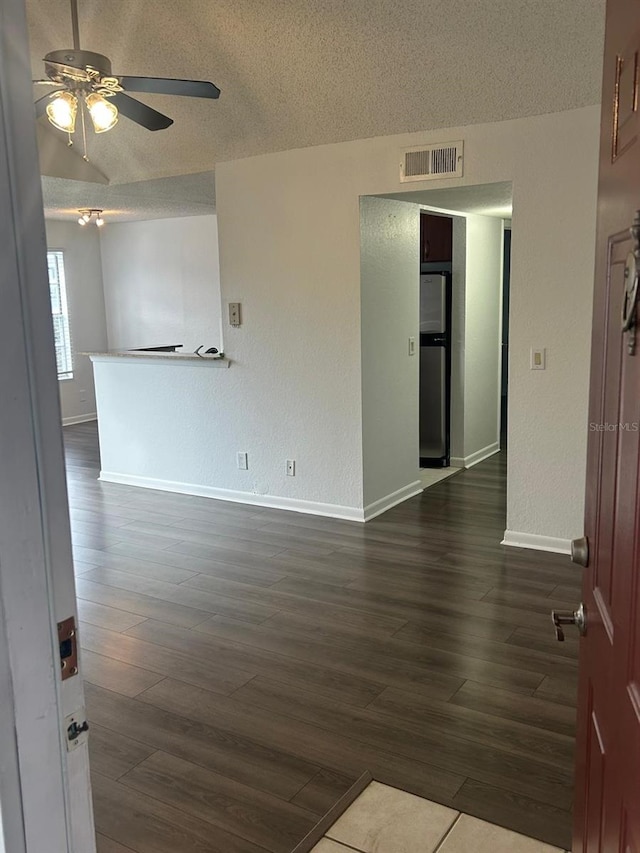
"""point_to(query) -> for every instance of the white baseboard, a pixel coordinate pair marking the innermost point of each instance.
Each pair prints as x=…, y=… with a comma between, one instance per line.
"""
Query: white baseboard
x=395, y=498
x=536, y=542
x=80, y=419
x=474, y=458
x=348, y=513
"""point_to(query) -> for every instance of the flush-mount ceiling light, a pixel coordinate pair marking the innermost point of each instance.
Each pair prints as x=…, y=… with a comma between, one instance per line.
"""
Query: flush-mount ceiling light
x=61, y=111
x=88, y=214
x=104, y=114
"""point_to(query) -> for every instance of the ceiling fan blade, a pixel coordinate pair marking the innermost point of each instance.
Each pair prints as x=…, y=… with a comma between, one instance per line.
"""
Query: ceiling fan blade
x=140, y=113
x=168, y=86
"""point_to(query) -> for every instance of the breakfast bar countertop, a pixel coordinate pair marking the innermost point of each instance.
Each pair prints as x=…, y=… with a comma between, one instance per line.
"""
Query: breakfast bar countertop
x=191, y=358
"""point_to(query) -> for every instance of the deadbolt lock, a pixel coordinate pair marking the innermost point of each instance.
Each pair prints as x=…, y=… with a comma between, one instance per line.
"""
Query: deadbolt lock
x=580, y=551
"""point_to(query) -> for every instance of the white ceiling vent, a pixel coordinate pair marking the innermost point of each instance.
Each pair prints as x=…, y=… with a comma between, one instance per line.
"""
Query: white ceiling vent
x=429, y=162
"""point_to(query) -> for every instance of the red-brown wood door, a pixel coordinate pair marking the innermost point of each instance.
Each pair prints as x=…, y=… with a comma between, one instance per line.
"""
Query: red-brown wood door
x=607, y=804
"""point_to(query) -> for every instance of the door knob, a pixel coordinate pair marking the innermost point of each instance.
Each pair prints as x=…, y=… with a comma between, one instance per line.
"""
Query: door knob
x=567, y=617
x=580, y=551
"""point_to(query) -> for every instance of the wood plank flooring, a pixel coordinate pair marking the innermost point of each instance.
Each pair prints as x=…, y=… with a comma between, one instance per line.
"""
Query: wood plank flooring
x=244, y=666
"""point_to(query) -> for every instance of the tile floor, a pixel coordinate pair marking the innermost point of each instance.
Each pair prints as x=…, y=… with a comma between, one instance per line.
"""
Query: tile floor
x=387, y=820
x=431, y=476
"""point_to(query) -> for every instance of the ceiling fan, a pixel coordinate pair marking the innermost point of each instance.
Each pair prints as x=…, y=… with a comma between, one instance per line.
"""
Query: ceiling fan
x=83, y=77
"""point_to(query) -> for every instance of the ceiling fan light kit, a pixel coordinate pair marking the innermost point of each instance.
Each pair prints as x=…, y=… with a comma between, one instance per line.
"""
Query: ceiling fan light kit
x=84, y=79
x=61, y=111
x=104, y=114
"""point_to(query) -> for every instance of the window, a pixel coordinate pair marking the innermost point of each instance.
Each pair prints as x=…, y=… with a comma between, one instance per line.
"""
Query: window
x=60, y=314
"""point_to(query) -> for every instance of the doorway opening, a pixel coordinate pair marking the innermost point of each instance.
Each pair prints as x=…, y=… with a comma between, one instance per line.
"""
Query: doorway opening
x=436, y=253
x=456, y=312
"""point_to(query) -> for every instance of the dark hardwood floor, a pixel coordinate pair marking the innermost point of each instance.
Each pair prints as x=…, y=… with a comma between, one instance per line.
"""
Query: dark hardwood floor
x=244, y=665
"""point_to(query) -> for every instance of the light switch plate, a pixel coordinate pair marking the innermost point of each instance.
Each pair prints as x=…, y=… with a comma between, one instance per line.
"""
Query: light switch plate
x=538, y=359
x=412, y=346
x=234, y=314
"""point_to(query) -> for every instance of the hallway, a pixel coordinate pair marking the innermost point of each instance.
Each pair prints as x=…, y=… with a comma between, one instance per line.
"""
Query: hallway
x=246, y=665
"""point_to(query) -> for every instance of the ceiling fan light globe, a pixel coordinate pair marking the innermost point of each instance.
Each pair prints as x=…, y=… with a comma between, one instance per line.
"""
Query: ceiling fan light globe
x=104, y=114
x=61, y=111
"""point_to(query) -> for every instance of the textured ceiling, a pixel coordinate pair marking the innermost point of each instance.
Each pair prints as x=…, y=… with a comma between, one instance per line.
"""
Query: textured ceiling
x=184, y=195
x=488, y=199
x=295, y=73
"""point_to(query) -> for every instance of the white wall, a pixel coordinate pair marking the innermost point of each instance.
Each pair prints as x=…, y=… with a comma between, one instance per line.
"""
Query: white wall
x=483, y=292
x=458, y=309
x=389, y=283
x=173, y=425
x=83, y=275
x=289, y=250
x=162, y=283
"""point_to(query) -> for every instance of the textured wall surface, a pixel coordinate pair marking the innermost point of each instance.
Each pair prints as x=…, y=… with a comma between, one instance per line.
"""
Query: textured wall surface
x=553, y=246
x=83, y=274
x=482, y=333
x=389, y=282
x=162, y=283
x=290, y=253
x=289, y=237
x=458, y=308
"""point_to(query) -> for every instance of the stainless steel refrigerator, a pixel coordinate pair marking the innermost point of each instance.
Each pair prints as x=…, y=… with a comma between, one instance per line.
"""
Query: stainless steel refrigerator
x=435, y=369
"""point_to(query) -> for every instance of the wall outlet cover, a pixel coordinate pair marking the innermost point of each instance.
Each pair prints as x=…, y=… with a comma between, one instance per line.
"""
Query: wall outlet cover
x=538, y=359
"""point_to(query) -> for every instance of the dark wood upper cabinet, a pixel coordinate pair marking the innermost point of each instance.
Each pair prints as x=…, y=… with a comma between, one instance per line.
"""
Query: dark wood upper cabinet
x=436, y=239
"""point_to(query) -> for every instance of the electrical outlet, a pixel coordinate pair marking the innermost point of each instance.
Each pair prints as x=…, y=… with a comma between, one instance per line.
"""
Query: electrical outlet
x=234, y=314
x=291, y=467
x=243, y=461
x=412, y=346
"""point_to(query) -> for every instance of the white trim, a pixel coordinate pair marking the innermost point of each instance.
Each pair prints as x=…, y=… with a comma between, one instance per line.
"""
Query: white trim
x=349, y=513
x=80, y=419
x=536, y=542
x=383, y=504
x=45, y=790
x=475, y=458
x=183, y=358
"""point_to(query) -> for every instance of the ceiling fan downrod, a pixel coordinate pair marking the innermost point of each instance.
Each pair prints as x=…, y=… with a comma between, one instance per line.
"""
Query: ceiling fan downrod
x=75, y=26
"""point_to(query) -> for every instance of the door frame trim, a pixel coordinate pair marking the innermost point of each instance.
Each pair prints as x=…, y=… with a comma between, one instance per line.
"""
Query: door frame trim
x=45, y=793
